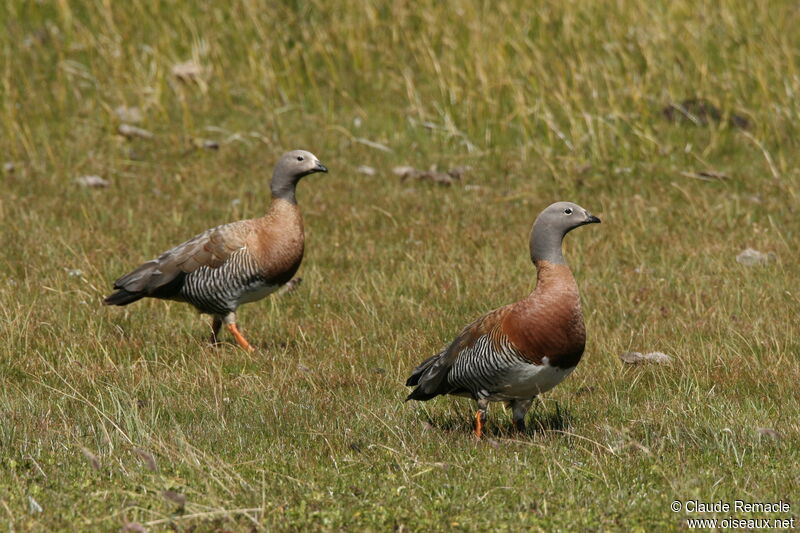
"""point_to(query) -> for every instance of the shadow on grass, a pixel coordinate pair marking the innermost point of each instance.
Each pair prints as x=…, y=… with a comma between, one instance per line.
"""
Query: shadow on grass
x=499, y=424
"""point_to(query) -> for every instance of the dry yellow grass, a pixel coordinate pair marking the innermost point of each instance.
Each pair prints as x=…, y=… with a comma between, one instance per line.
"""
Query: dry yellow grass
x=115, y=416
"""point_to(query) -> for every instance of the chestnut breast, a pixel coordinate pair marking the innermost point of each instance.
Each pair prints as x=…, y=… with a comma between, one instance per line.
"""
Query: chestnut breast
x=277, y=243
x=549, y=323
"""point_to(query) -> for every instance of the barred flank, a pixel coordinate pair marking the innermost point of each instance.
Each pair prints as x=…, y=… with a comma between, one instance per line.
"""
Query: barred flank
x=217, y=290
x=483, y=366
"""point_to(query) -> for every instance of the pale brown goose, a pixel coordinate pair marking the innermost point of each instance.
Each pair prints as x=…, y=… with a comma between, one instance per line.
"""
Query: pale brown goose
x=523, y=349
x=236, y=263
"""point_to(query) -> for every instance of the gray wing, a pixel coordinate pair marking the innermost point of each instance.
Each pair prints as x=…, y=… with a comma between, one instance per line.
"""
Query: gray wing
x=211, y=248
x=450, y=371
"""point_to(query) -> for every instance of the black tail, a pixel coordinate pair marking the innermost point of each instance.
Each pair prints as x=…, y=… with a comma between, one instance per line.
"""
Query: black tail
x=421, y=396
x=123, y=297
x=416, y=374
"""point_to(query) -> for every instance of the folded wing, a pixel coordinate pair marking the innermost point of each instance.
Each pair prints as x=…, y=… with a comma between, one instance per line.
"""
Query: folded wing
x=460, y=367
x=163, y=277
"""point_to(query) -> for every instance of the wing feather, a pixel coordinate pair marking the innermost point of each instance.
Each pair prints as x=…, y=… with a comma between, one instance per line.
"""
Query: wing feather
x=430, y=377
x=211, y=249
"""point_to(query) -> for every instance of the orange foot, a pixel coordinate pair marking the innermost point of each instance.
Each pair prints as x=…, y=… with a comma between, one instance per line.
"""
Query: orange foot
x=478, y=424
x=240, y=340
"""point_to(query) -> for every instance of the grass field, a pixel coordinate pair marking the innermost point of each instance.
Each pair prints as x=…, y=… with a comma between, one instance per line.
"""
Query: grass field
x=115, y=416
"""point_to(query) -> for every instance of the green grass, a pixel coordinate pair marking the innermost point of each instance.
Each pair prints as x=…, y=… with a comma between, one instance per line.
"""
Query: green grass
x=561, y=101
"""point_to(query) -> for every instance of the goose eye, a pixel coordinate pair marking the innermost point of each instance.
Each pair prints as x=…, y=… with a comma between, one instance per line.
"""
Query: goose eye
x=299, y=158
x=568, y=211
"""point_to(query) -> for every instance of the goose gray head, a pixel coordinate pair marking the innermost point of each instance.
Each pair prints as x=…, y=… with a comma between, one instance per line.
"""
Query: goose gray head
x=552, y=225
x=290, y=169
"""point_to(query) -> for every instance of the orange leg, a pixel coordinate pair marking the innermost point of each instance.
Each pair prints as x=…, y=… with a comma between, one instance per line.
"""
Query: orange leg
x=480, y=416
x=240, y=340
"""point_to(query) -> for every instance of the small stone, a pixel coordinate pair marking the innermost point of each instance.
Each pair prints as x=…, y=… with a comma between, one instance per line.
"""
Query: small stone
x=129, y=132
x=769, y=432
x=129, y=114
x=175, y=497
x=633, y=358
x=403, y=170
x=92, y=458
x=658, y=357
x=133, y=527
x=373, y=144
x=9, y=167
x=95, y=182
x=442, y=178
x=147, y=458
x=751, y=257
x=74, y=272
x=34, y=506
x=236, y=202
x=364, y=169
x=205, y=144
x=189, y=71
x=458, y=172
